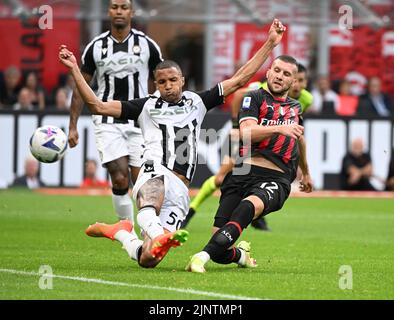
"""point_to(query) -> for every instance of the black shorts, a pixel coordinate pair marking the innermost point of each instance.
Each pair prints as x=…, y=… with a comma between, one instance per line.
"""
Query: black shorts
x=271, y=186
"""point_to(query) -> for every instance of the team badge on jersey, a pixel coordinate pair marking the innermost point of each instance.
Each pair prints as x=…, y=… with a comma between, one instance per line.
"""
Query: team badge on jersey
x=149, y=167
x=246, y=103
x=188, y=102
x=136, y=49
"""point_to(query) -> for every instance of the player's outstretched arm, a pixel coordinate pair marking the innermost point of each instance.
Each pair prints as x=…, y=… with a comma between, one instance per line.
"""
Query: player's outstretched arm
x=75, y=111
x=247, y=71
x=96, y=106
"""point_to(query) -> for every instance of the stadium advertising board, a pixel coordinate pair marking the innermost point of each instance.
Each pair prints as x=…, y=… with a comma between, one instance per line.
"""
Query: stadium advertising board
x=327, y=142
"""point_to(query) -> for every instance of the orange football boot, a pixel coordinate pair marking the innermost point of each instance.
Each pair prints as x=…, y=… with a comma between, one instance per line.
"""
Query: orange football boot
x=108, y=230
x=163, y=243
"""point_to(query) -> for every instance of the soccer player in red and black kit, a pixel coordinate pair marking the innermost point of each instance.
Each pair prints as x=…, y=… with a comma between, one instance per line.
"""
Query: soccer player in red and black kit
x=271, y=129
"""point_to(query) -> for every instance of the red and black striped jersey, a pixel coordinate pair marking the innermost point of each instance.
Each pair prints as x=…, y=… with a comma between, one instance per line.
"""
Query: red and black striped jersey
x=267, y=110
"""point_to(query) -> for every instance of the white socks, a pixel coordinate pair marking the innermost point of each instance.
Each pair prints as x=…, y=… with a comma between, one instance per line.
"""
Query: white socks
x=124, y=208
x=204, y=256
x=242, y=259
x=130, y=243
x=150, y=222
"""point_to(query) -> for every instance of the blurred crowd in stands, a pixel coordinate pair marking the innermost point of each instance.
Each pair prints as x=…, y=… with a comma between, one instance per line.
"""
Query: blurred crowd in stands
x=344, y=102
x=31, y=179
x=24, y=92
x=90, y=179
x=20, y=91
x=342, y=98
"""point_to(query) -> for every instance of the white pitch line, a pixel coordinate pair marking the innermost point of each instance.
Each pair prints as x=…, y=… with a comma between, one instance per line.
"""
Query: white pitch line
x=141, y=286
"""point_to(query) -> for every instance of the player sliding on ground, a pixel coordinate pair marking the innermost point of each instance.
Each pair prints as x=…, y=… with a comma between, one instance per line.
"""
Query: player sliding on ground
x=271, y=130
x=170, y=119
x=298, y=92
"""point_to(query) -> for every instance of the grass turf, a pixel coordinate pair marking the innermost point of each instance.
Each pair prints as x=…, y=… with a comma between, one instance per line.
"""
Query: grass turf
x=299, y=259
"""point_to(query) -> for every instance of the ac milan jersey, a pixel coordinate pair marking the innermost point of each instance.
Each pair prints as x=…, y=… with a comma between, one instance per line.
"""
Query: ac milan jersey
x=171, y=130
x=282, y=150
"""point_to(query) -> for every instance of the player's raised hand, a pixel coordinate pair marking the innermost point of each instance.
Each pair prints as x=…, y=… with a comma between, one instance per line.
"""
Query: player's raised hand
x=67, y=57
x=73, y=137
x=276, y=31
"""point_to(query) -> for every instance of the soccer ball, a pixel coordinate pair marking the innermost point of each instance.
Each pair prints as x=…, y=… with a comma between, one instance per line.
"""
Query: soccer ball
x=48, y=144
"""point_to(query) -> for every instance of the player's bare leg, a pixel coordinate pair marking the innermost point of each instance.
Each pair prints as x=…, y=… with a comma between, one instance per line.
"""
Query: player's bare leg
x=134, y=171
x=119, y=172
x=121, y=231
x=150, y=198
x=138, y=250
x=146, y=259
x=157, y=240
x=151, y=195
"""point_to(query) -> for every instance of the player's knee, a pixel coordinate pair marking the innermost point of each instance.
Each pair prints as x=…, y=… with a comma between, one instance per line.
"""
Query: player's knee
x=148, y=203
x=120, y=180
x=147, y=261
x=148, y=264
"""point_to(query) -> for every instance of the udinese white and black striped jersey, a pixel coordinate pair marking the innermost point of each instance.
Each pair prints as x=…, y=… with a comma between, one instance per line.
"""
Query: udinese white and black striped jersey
x=171, y=131
x=122, y=68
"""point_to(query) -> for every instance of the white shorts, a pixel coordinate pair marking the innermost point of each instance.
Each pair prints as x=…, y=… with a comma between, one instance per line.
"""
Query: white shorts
x=116, y=140
x=176, y=198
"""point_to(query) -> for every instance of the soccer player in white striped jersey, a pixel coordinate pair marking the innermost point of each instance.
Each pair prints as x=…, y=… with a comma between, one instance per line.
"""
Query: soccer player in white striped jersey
x=121, y=59
x=170, y=121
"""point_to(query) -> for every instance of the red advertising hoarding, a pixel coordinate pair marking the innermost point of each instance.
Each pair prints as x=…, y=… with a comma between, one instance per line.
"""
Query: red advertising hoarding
x=31, y=48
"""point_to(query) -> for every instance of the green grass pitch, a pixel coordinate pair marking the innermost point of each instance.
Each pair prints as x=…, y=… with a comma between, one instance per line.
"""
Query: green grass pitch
x=300, y=259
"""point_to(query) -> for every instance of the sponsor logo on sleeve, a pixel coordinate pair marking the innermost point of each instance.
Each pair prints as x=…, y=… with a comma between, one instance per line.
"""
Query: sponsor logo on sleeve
x=246, y=102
